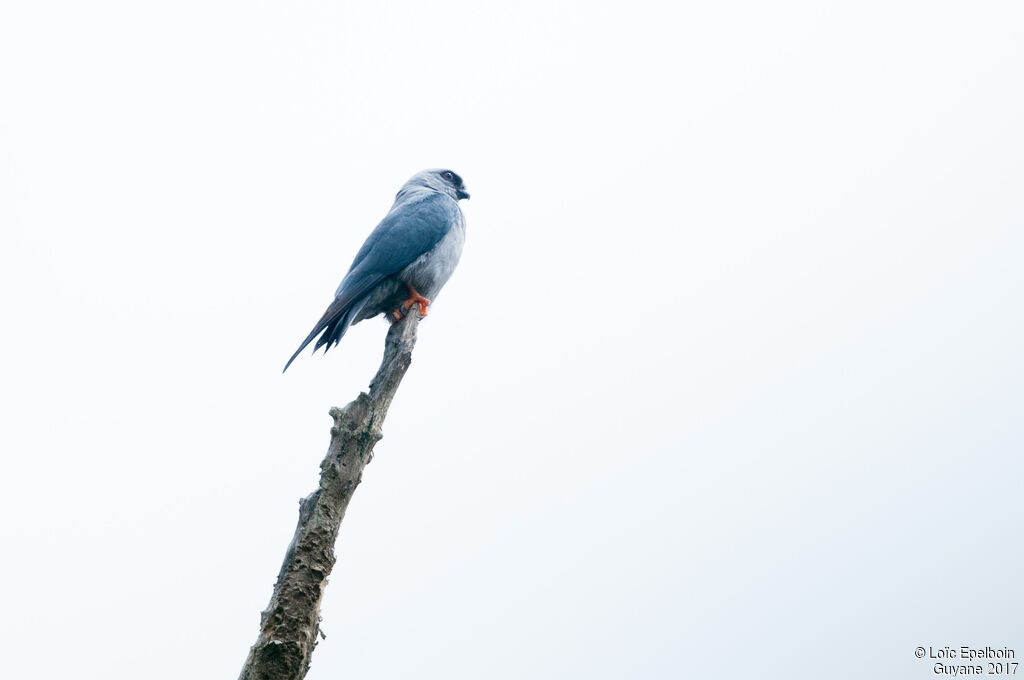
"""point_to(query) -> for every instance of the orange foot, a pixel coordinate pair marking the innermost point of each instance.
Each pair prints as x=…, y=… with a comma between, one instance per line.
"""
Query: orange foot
x=417, y=299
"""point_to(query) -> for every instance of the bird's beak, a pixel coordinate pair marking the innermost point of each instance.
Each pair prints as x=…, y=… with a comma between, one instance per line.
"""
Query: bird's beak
x=462, y=193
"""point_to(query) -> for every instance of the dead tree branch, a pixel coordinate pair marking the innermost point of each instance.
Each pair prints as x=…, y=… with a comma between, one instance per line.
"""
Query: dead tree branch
x=291, y=622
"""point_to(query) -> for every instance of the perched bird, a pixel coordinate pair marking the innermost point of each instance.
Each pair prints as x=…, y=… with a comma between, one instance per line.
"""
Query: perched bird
x=404, y=262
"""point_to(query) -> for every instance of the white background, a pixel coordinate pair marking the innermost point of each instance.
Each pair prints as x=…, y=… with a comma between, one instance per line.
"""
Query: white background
x=729, y=382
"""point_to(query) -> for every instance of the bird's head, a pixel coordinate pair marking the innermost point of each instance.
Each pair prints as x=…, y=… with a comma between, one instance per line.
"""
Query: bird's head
x=444, y=181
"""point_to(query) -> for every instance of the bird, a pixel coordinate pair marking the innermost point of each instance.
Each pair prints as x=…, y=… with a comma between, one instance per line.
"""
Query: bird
x=405, y=261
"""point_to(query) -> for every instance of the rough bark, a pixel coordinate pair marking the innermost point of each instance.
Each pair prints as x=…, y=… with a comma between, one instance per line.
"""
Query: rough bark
x=291, y=622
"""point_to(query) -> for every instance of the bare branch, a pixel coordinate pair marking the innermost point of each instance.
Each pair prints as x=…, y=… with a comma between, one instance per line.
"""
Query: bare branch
x=291, y=622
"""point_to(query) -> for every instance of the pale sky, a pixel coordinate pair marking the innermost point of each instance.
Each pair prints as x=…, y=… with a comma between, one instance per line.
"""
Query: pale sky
x=729, y=382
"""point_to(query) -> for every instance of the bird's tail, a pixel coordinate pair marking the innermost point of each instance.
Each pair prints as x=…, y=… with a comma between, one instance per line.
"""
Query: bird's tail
x=332, y=324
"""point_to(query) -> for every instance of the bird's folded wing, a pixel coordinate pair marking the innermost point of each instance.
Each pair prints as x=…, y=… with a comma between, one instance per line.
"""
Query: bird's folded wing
x=413, y=227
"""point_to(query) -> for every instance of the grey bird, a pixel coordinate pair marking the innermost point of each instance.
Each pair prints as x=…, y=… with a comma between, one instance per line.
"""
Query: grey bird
x=405, y=260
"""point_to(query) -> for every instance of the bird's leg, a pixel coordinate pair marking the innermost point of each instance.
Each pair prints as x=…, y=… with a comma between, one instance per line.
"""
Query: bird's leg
x=415, y=298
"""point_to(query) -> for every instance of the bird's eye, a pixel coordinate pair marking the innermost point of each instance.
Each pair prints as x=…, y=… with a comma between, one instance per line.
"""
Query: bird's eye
x=447, y=174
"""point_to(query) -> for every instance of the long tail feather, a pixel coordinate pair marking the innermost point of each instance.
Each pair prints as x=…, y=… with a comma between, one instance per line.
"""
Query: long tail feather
x=332, y=324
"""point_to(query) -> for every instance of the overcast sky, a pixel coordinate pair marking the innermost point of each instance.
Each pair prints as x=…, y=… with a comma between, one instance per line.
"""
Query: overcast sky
x=729, y=382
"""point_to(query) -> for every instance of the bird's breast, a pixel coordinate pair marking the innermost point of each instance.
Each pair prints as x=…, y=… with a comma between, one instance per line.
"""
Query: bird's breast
x=431, y=270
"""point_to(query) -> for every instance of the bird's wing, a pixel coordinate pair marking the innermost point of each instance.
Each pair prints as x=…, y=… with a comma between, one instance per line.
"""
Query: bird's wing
x=413, y=227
